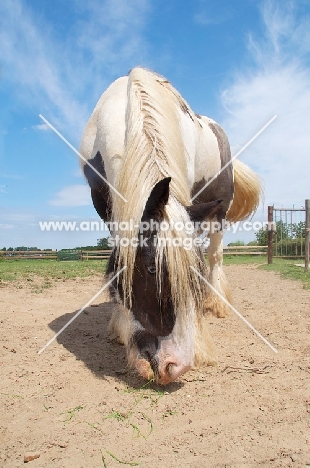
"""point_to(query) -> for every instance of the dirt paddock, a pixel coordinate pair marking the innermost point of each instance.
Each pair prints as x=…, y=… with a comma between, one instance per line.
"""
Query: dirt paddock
x=79, y=406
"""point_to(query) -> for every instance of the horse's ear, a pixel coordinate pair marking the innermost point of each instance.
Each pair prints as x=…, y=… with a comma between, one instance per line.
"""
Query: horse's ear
x=157, y=200
x=202, y=211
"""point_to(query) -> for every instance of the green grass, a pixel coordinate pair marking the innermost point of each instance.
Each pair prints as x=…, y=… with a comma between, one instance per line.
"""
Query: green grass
x=244, y=259
x=41, y=274
x=118, y=460
x=71, y=413
x=49, y=270
x=286, y=268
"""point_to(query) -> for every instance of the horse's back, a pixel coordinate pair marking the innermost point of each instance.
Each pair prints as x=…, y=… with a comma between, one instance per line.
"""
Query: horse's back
x=202, y=142
x=105, y=129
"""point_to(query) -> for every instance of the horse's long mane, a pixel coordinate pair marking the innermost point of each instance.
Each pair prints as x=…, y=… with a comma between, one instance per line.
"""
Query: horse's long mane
x=154, y=150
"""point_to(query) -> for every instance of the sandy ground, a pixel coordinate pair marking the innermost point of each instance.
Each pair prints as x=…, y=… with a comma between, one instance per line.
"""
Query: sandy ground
x=76, y=401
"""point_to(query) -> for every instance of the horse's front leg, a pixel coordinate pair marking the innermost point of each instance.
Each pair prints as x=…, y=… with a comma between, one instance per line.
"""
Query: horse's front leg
x=218, y=291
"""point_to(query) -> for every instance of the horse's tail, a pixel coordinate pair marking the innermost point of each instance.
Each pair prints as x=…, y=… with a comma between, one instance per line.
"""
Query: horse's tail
x=247, y=193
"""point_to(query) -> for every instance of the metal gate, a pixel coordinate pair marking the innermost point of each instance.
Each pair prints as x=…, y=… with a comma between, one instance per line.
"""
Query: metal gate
x=289, y=232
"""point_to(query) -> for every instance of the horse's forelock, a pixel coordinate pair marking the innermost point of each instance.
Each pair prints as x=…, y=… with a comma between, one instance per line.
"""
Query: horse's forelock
x=154, y=149
x=187, y=288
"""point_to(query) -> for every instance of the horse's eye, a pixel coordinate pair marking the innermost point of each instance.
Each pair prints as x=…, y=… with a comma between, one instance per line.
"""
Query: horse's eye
x=151, y=269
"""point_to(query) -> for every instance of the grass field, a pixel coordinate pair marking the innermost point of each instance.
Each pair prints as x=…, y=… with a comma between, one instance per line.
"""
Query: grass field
x=52, y=270
x=286, y=268
x=41, y=274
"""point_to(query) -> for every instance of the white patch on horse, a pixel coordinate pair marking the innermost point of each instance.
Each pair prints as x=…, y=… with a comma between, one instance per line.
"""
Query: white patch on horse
x=146, y=133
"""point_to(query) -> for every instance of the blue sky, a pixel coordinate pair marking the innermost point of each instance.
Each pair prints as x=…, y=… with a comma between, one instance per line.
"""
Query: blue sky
x=238, y=62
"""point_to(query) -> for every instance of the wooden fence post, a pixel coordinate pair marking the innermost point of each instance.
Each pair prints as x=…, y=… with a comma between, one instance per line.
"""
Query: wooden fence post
x=270, y=234
x=307, y=239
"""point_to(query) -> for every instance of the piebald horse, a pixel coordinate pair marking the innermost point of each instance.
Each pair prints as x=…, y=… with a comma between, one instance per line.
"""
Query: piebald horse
x=150, y=148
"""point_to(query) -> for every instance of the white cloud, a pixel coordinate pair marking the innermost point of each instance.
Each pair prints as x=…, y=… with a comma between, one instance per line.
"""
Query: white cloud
x=19, y=217
x=22, y=228
x=63, y=79
x=279, y=83
x=206, y=18
x=207, y=14
x=43, y=127
x=72, y=195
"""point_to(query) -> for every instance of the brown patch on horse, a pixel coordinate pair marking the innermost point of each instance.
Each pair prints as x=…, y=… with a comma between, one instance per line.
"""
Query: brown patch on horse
x=223, y=186
x=152, y=308
x=202, y=211
x=147, y=345
x=157, y=201
x=155, y=314
x=100, y=192
x=209, y=194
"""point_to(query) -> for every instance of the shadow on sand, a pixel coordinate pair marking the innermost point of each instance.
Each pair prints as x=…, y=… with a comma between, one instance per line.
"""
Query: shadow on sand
x=87, y=339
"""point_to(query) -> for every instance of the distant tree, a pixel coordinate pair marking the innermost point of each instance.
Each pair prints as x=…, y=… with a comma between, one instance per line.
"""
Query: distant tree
x=262, y=236
x=281, y=233
x=4, y=249
x=253, y=243
x=236, y=243
x=298, y=230
x=20, y=248
x=47, y=250
x=103, y=244
x=10, y=249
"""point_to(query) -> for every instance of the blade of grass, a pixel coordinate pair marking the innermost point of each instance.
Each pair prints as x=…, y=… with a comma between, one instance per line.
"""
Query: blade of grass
x=136, y=430
x=94, y=427
x=117, y=415
x=103, y=460
x=139, y=432
x=12, y=395
x=122, y=461
x=71, y=413
x=148, y=419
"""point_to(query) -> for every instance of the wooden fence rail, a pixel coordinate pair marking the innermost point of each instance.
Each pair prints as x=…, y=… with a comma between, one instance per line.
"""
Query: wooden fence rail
x=104, y=254
x=95, y=254
x=245, y=250
x=28, y=254
x=231, y=250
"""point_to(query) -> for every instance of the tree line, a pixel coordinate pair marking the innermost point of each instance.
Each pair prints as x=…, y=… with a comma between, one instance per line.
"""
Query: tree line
x=294, y=231
x=288, y=239
x=102, y=244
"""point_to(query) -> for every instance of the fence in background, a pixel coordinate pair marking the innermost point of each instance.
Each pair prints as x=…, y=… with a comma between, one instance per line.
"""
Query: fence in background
x=62, y=255
x=289, y=233
x=74, y=255
x=245, y=250
x=28, y=254
x=95, y=254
